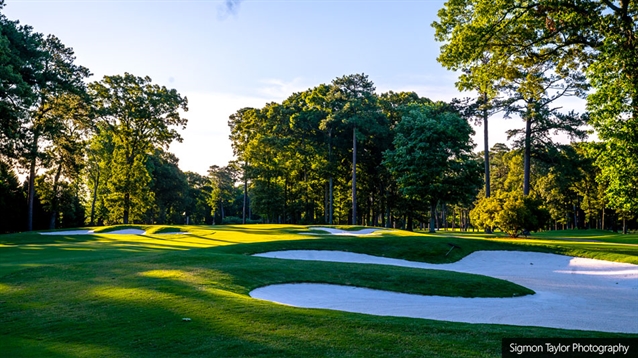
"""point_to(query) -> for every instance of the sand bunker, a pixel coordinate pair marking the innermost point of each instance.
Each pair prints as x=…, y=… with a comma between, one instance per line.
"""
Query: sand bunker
x=571, y=292
x=340, y=232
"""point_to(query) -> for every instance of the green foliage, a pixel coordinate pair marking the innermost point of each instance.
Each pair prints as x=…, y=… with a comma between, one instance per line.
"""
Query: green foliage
x=585, y=38
x=432, y=158
x=222, y=183
x=170, y=189
x=12, y=201
x=513, y=213
x=140, y=117
x=129, y=195
x=21, y=58
x=198, y=210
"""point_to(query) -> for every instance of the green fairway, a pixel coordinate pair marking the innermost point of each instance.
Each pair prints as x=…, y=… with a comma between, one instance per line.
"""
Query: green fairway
x=122, y=295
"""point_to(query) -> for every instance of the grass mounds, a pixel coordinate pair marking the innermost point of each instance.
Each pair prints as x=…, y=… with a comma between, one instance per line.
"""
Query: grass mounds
x=164, y=230
x=594, y=244
x=126, y=295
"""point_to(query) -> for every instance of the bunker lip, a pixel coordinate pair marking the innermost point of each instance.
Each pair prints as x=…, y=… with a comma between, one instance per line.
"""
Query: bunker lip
x=571, y=292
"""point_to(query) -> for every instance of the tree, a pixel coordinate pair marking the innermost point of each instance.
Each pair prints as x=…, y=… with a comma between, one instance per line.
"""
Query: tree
x=197, y=207
x=169, y=187
x=511, y=212
x=20, y=58
x=56, y=78
x=12, y=201
x=432, y=158
x=595, y=38
x=222, y=183
x=98, y=169
x=140, y=116
x=355, y=107
x=65, y=155
x=489, y=46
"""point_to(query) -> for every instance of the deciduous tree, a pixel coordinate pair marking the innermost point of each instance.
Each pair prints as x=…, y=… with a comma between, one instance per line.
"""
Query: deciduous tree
x=141, y=116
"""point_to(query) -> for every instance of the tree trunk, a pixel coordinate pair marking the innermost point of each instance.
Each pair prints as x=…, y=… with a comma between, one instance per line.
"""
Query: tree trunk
x=410, y=223
x=97, y=183
x=354, y=176
x=54, y=198
x=127, y=201
x=444, y=214
x=528, y=154
x=432, y=216
x=34, y=151
x=331, y=201
x=453, y=218
x=388, y=215
x=330, y=189
x=486, y=156
x=624, y=224
x=243, y=220
x=486, y=148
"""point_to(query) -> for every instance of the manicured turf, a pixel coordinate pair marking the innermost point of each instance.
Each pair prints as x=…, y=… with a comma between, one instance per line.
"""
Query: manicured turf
x=125, y=295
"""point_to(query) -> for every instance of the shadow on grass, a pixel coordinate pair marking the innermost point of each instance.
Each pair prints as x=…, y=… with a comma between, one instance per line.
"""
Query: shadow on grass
x=134, y=307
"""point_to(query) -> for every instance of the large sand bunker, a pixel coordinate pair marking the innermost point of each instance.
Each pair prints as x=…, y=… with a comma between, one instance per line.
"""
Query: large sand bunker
x=571, y=292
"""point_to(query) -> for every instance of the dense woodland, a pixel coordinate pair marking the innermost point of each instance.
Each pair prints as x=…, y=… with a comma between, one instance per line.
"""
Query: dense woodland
x=95, y=153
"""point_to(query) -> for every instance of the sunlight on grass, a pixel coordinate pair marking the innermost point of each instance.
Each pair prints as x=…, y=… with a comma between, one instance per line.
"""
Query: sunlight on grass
x=167, y=274
x=18, y=347
x=69, y=349
x=133, y=294
x=125, y=295
x=31, y=247
x=77, y=249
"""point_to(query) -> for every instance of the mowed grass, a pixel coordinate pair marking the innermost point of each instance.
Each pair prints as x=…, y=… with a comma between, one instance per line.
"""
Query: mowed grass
x=111, y=295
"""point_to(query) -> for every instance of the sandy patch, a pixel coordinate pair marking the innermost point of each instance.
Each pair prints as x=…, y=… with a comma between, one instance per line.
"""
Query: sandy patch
x=125, y=232
x=340, y=232
x=571, y=292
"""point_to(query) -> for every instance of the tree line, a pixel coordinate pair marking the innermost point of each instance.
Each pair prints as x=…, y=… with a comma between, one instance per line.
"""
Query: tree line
x=522, y=56
x=93, y=152
x=340, y=153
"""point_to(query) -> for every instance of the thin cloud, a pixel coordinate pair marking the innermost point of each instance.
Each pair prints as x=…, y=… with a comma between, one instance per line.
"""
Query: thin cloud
x=228, y=8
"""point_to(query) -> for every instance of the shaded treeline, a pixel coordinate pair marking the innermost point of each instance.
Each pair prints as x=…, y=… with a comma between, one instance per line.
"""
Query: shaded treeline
x=340, y=153
x=410, y=155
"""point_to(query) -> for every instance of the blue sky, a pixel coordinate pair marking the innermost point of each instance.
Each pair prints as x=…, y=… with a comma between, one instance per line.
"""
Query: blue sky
x=263, y=52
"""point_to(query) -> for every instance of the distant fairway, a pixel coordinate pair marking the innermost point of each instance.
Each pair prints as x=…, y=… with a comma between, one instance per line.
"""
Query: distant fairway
x=125, y=295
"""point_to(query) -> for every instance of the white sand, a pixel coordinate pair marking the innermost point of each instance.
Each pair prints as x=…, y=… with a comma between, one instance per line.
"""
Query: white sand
x=125, y=232
x=340, y=232
x=571, y=293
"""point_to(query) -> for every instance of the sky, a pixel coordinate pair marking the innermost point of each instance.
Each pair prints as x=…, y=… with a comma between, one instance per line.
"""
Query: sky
x=262, y=51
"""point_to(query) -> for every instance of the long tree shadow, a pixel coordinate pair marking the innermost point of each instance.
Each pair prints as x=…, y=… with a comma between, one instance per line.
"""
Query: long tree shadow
x=135, y=307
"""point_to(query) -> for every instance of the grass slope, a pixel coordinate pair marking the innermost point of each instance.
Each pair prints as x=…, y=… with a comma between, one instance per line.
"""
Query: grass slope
x=125, y=295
